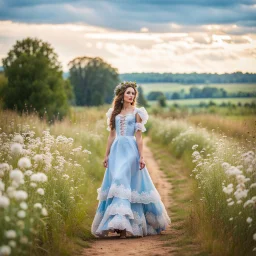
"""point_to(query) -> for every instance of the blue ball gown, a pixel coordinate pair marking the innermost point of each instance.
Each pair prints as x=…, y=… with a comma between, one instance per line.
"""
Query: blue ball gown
x=127, y=197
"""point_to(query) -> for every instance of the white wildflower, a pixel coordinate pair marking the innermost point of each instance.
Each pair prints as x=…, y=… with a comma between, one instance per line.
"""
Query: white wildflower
x=44, y=212
x=249, y=220
x=194, y=147
x=4, y=201
x=5, y=250
x=20, y=195
x=10, y=234
x=24, y=163
x=28, y=172
x=18, y=138
x=12, y=243
x=23, y=205
x=228, y=189
x=17, y=175
x=38, y=205
x=40, y=191
x=38, y=158
x=38, y=177
x=16, y=148
x=21, y=214
x=33, y=184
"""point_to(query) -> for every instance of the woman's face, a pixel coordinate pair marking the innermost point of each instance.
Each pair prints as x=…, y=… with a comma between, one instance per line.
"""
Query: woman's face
x=129, y=95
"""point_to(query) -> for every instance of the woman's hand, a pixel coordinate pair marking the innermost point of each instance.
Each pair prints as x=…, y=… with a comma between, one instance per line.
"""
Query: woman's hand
x=105, y=162
x=142, y=163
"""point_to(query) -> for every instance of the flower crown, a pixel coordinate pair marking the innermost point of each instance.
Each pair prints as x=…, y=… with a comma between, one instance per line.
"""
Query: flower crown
x=124, y=85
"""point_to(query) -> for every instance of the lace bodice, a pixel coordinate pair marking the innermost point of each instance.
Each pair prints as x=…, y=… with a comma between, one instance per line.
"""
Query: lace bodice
x=126, y=125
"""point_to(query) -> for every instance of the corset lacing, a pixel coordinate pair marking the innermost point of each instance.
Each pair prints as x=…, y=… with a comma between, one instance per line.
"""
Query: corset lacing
x=122, y=125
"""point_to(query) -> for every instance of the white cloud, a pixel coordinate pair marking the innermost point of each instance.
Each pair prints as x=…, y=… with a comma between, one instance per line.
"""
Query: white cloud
x=188, y=49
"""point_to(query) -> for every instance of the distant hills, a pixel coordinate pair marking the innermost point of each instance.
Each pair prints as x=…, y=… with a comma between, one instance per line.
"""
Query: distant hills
x=185, y=78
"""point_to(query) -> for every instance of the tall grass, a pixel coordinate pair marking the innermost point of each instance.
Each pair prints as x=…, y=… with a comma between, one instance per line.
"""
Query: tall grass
x=48, y=181
x=224, y=170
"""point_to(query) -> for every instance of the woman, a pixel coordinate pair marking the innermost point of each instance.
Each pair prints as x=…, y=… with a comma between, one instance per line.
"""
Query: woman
x=129, y=203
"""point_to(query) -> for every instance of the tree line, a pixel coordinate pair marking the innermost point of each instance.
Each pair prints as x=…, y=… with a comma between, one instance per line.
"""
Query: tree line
x=32, y=81
x=195, y=93
x=190, y=78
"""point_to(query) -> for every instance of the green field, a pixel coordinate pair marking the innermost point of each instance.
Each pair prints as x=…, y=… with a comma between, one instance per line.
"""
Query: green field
x=176, y=87
x=196, y=102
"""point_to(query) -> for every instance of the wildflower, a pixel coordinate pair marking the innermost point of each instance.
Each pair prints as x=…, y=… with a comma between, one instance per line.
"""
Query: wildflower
x=4, y=167
x=86, y=151
x=33, y=184
x=38, y=177
x=44, y=212
x=20, y=195
x=16, y=148
x=21, y=214
x=228, y=189
x=12, y=243
x=240, y=193
x=38, y=205
x=18, y=138
x=10, y=234
x=254, y=236
x=5, y=250
x=38, y=157
x=24, y=205
x=28, y=172
x=194, y=147
x=40, y=191
x=17, y=175
x=24, y=163
x=249, y=220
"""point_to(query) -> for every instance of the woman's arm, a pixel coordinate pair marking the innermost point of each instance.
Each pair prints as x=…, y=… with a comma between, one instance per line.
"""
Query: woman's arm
x=111, y=138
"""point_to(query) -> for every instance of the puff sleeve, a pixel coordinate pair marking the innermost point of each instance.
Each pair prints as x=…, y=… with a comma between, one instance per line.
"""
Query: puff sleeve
x=142, y=112
x=108, y=114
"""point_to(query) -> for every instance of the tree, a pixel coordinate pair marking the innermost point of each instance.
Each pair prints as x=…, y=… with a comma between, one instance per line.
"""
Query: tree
x=35, y=79
x=93, y=80
x=141, y=99
x=162, y=101
x=154, y=95
x=176, y=96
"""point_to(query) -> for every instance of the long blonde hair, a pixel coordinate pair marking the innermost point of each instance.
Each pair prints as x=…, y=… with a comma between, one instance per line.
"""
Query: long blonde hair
x=117, y=104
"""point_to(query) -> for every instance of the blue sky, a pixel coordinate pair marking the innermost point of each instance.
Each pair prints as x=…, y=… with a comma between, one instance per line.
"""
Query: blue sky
x=139, y=35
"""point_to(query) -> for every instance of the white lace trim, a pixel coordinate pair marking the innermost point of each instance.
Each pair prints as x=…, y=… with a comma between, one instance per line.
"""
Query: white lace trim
x=125, y=193
x=143, y=114
x=140, y=126
x=137, y=226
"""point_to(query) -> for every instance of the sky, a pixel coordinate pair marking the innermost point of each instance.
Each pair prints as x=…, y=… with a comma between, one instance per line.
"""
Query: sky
x=176, y=36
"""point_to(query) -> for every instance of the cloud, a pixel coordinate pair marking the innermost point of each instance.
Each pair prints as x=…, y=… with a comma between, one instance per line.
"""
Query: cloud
x=132, y=15
x=139, y=36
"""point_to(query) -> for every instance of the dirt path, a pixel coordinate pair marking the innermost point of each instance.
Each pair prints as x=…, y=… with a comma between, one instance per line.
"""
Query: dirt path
x=148, y=245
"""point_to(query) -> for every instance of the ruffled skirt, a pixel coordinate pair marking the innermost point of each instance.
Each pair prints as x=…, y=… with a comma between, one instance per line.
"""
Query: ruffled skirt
x=127, y=197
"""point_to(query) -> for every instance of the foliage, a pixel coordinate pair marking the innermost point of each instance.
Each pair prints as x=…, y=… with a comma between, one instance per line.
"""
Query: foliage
x=35, y=80
x=93, y=81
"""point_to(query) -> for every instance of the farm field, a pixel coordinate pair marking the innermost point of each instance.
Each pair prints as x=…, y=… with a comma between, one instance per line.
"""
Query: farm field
x=196, y=102
x=176, y=87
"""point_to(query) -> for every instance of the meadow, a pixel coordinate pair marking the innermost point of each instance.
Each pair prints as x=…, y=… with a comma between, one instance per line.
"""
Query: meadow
x=223, y=214
x=50, y=175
